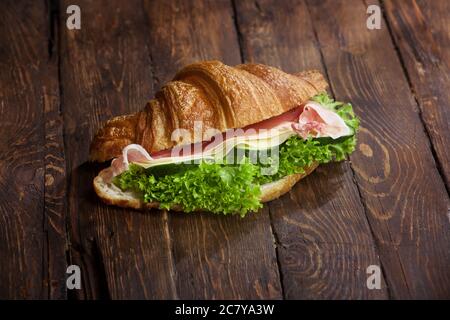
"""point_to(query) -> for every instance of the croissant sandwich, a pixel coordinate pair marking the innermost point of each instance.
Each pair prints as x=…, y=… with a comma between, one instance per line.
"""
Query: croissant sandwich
x=222, y=139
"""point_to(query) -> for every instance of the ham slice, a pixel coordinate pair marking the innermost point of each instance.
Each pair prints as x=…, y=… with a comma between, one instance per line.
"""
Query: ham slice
x=317, y=121
x=308, y=120
x=131, y=153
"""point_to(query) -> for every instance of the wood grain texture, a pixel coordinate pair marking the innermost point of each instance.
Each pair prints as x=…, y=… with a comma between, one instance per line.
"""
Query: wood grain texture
x=324, y=241
x=216, y=257
x=32, y=227
x=421, y=30
x=106, y=71
x=404, y=195
x=55, y=172
x=389, y=206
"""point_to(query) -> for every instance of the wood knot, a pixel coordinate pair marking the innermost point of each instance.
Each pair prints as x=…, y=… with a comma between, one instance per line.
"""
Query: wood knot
x=366, y=150
x=49, y=180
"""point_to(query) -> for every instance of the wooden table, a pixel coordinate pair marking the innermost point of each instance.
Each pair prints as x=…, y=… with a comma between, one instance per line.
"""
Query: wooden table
x=387, y=206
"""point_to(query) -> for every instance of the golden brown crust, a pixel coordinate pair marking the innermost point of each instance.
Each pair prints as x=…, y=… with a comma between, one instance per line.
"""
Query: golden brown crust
x=117, y=133
x=112, y=195
x=220, y=96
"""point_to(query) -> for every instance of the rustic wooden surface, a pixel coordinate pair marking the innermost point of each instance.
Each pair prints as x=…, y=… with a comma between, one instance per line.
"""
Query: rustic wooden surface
x=388, y=205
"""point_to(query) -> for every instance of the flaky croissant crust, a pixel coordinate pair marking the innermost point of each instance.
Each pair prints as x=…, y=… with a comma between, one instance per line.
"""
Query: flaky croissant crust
x=220, y=96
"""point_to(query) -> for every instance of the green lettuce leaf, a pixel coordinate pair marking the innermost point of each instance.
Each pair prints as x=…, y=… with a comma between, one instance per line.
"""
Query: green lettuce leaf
x=297, y=154
x=209, y=187
x=236, y=188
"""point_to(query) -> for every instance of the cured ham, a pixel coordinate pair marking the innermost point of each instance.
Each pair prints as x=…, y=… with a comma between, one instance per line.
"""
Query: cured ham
x=131, y=153
x=307, y=120
x=317, y=121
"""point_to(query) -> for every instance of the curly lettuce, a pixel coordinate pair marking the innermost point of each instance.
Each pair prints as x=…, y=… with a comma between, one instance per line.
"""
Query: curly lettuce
x=297, y=154
x=236, y=188
x=209, y=187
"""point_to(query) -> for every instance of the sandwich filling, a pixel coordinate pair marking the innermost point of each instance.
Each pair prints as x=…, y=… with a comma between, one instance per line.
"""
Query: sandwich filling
x=225, y=174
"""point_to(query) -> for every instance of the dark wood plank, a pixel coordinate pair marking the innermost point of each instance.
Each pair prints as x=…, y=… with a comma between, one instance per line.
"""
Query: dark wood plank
x=32, y=225
x=405, y=198
x=216, y=257
x=324, y=240
x=105, y=69
x=421, y=31
x=55, y=170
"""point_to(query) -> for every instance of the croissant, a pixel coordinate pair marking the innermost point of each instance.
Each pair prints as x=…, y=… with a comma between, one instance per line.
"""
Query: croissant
x=221, y=96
